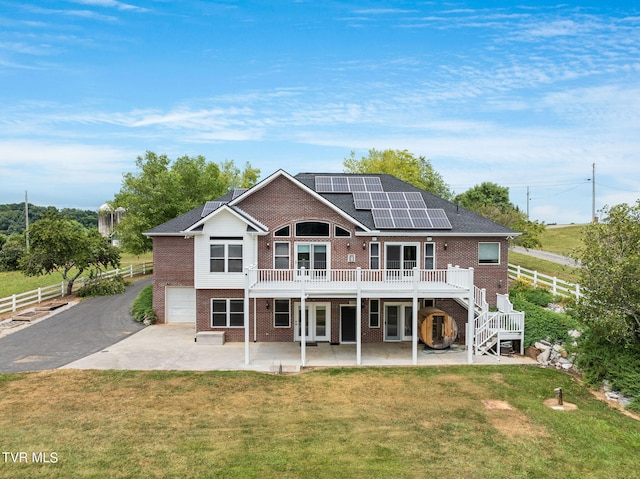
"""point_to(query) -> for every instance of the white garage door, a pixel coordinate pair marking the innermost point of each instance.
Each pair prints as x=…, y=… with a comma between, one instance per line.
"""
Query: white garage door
x=181, y=305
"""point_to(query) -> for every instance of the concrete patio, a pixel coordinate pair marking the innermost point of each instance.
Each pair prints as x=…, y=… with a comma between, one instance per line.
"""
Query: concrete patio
x=172, y=347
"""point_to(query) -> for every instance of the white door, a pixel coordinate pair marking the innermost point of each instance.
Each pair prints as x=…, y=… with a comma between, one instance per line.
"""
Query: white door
x=400, y=260
x=180, y=305
x=314, y=258
x=398, y=322
x=317, y=322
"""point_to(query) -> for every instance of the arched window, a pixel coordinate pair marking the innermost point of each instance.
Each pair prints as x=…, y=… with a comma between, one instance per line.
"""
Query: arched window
x=316, y=229
x=285, y=231
x=340, y=232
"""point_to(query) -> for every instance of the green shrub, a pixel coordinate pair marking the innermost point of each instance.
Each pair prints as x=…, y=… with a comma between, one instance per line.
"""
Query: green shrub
x=540, y=323
x=536, y=295
x=142, y=307
x=103, y=287
x=619, y=364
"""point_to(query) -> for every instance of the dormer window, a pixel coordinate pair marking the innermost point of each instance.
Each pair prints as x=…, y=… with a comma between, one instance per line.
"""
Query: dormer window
x=316, y=229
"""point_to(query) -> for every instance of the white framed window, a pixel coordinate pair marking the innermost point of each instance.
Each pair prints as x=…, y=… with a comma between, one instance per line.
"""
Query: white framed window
x=285, y=231
x=281, y=255
x=340, y=232
x=281, y=313
x=312, y=229
x=429, y=256
x=489, y=253
x=225, y=257
x=227, y=313
x=374, y=313
x=374, y=255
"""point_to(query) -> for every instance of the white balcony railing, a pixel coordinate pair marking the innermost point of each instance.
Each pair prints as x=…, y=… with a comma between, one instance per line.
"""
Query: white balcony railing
x=452, y=277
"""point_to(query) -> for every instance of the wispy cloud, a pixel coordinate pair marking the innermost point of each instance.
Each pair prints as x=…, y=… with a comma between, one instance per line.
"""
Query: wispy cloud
x=111, y=4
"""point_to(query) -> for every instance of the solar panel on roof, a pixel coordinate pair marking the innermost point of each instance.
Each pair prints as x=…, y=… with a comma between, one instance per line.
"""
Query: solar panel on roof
x=356, y=183
x=324, y=184
x=401, y=218
x=410, y=218
x=340, y=184
x=414, y=200
x=382, y=218
x=210, y=207
x=347, y=184
x=380, y=200
x=373, y=183
x=397, y=200
x=238, y=191
x=420, y=218
x=362, y=200
x=439, y=218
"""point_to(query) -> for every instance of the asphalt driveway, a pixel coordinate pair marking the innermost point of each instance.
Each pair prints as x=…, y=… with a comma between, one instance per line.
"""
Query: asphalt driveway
x=88, y=327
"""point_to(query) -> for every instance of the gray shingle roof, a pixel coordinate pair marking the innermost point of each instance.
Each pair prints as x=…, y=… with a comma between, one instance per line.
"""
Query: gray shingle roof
x=463, y=221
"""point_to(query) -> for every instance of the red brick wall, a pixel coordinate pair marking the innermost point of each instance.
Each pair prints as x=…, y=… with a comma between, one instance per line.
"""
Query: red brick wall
x=283, y=203
x=172, y=266
x=203, y=312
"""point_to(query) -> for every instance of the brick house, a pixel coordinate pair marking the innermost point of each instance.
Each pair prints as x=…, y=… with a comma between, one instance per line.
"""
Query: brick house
x=338, y=258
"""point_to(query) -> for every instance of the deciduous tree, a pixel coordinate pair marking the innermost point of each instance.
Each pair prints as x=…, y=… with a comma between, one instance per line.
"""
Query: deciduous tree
x=161, y=189
x=405, y=165
x=609, y=275
x=492, y=201
x=63, y=245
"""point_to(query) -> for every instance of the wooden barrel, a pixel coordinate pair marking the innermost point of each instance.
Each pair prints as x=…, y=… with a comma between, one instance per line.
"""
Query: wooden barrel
x=436, y=328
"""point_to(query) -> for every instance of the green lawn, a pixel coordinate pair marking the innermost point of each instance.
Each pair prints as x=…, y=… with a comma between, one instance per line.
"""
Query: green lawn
x=566, y=273
x=355, y=423
x=562, y=240
x=14, y=282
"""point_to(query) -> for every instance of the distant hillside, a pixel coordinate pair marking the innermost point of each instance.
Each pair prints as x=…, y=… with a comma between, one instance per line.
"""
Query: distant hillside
x=12, y=217
x=562, y=240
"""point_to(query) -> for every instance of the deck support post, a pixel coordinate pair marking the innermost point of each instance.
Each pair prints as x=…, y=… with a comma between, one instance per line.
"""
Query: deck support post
x=414, y=318
x=303, y=320
x=471, y=321
x=358, y=317
x=246, y=318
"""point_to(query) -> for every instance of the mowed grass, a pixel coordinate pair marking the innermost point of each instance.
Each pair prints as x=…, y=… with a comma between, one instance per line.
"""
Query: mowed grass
x=562, y=240
x=15, y=282
x=346, y=423
x=566, y=273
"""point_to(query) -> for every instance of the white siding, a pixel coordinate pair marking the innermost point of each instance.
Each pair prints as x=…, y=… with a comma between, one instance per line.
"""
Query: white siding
x=224, y=224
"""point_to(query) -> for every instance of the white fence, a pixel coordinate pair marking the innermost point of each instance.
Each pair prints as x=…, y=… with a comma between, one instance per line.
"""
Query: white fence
x=558, y=287
x=16, y=301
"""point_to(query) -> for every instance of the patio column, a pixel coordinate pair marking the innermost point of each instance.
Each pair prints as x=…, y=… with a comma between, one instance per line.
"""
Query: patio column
x=303, y=321
x=471, y=326
x=414, y=318
x=358, y=317
x=246, y=317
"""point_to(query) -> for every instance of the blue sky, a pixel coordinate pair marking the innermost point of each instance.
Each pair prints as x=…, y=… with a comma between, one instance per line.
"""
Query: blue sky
x=524, y=96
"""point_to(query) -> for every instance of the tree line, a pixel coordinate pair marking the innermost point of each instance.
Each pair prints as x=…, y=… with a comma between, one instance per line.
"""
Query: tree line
x=12, y=217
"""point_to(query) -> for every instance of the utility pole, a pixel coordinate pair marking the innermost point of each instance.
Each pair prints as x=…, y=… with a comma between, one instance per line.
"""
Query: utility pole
x=528, y=199
x=593, y=194
x=26, y=217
